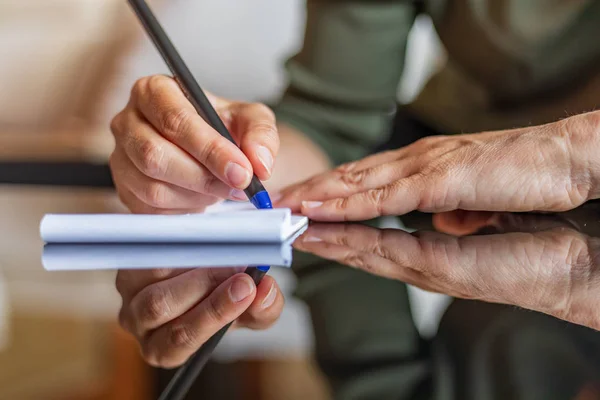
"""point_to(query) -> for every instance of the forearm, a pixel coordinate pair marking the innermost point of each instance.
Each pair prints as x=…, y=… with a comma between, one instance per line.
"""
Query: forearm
x=298, y=159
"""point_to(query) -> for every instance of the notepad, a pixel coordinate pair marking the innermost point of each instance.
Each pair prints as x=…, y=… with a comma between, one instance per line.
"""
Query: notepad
x=220, y=225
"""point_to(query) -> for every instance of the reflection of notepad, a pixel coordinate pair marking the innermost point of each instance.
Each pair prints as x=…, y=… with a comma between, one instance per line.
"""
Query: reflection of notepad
x=222, y=225
x=70, y=257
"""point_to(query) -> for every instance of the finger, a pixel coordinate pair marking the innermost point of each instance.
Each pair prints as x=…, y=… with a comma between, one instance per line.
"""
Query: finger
x=172, y=344
x=343, y=184
x=341, y=234
x=397, y=198
x=159, y=159
x=368, y=261
x=254, y=128
x=384, y=243
x=163, y=103
x=163, y=301
x=266, y=307
x=160, y=194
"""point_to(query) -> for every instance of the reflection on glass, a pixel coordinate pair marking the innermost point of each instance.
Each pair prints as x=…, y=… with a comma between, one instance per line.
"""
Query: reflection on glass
x=57, y=257
x=541, y=263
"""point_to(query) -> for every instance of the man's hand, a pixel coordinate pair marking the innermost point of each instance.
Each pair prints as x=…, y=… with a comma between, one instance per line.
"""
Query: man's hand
x=172, y=312
x=549, y=267
x=546, y=168
x=167, y=159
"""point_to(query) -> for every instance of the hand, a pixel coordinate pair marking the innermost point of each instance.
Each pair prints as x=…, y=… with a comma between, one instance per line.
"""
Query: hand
x=172, y=312
x=167, y=159
x=552, y=271
x=543, y=168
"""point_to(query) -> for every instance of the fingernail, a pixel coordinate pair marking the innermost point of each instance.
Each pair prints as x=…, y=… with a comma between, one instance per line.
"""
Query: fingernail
x=312, y=239
x=238, y=194
x=312, y=204
x=270, y=299
x=265, y=157
x=237, y=175
x=240, y=289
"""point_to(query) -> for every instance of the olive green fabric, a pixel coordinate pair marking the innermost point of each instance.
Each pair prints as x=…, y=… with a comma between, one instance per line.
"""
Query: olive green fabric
x=510, y=63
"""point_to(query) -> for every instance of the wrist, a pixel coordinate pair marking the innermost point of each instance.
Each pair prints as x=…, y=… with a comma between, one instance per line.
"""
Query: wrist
x=298, y=159
x=583, y=135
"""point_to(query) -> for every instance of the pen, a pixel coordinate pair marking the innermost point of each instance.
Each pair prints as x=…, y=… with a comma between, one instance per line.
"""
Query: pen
x=185, y=376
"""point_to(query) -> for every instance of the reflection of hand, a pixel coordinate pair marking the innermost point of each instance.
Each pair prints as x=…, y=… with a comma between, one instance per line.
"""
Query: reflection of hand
x=552, y=271
x=167, y=159
x=546, y=168
x=460, y=222
x=173, y=312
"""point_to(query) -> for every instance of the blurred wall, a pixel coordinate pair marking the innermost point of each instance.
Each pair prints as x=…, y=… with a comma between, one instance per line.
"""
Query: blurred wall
x=54, y=55
x=236, y=48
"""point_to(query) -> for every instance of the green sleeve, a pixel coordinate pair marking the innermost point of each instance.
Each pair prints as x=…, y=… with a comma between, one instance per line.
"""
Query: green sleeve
x=366, y=343
x=343, y=83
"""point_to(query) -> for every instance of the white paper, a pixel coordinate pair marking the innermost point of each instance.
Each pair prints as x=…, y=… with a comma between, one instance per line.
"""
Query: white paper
x=218, y=226
x=73, y=257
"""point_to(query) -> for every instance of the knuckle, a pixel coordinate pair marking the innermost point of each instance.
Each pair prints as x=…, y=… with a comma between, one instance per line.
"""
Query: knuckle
x=139, y=87
x=430, y=141
x=123, y=320
x=211, y=150
x=150, y=157
x=156, y=195
x=116, y=125
x=353, y=179
x=112, y=160
x=216, y=312
x=174, y=122
x=208, y=184
x=374, y=199
x=345, y=168
x=152, y=304
x=266, y=131
x=156, y=84
x=376, y=196
x=355, y=260
x=181, y=335
x=121, y=283
x=126, y=198
x=380, y=248
x=156, y=356
x=149, y=355
x=341, y=204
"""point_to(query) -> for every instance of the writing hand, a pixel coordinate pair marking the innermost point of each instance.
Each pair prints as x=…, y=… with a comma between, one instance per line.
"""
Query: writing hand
x=167, y=159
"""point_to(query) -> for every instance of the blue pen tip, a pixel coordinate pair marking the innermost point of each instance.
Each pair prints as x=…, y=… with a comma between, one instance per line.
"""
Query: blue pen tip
x=261, y=200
